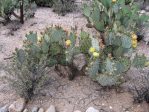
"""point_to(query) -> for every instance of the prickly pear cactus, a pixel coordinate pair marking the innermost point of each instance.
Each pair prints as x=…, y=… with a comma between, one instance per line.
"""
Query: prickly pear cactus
x=54, y=44
x=110, y=55
x=85, y=42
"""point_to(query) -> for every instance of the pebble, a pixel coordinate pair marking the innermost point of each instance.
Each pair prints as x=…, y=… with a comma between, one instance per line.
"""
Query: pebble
x=77, y=111
x=92, y=109
x=41, y=110
x=17, y=106
x=35, y=109
x=4, y=109
x=110, y=107
x=25, y=110
x=51, y=109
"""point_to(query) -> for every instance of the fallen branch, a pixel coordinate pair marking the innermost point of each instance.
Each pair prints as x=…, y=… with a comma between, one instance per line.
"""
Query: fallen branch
x=15, y=15
x=8, y=58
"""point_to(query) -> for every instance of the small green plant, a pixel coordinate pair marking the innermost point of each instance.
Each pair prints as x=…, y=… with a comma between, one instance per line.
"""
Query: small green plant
x=110, y=53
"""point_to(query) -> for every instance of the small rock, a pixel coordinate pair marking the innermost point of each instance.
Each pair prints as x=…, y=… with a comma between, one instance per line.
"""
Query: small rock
x=91, y=109
x=4, y=109
x=77, y=111
x=51, y=109
x=41, y=110
x=147, y=8
x=17, y=106
x=25, y=110
x=102, y=104
x=35, y=109
x=142, y=11
x=79, y=61
x=110, y=107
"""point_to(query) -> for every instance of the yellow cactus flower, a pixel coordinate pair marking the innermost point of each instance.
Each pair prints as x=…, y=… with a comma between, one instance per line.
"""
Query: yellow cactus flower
x=68, y=42
x=134, y=45
x=95, y=54
x=134, y=42
x=147, y=64
x=114, y=1
x=134, y=37
x=92, y=49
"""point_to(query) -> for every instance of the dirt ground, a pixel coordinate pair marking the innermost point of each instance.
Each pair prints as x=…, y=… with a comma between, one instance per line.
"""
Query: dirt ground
x=66, y=95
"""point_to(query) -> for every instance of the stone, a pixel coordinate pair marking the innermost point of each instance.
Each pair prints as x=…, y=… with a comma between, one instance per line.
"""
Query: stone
x=145, y=33
x=142, y=11
x=17, y=106
x=51, y=109
x=147, y=8
x=4, y=109
x=77, y=111
x=79, y=61
x=110, y=107
x=92, y=109
x=41, y=110
x=25, y=110
x=35, y=109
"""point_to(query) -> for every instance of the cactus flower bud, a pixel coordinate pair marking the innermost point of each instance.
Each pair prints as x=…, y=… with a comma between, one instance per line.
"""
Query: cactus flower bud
x=113, y=1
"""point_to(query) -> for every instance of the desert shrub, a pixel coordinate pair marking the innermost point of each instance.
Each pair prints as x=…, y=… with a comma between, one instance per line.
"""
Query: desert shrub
x=29, y=8
x=110, y=53
x=27, y=74
x=53, y=47
x=59, y=6
x=47, y=3
x=63, y=6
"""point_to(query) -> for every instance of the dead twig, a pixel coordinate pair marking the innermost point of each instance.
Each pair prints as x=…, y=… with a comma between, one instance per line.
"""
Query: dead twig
x=8, y=58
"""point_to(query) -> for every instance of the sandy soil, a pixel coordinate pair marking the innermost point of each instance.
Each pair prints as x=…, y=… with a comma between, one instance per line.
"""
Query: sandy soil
x=66, y=95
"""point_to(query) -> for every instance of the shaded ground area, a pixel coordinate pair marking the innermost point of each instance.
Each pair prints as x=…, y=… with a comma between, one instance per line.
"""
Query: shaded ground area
x=66, y=95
